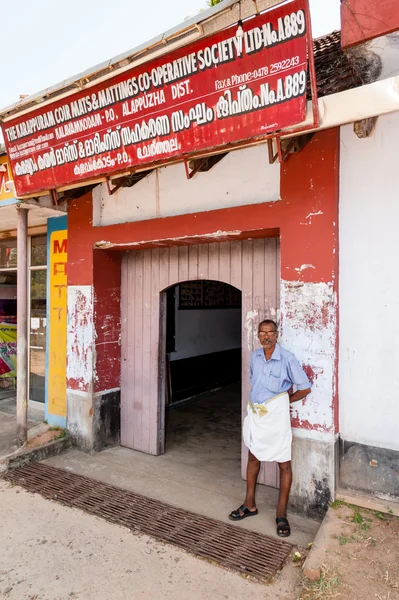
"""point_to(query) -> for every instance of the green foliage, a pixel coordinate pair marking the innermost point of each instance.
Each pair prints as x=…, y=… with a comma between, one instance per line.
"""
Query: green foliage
x=62, y=432
x=363, y=522
x=337, y=504
x=345, y=539
x=214, y=2
x=380, y=516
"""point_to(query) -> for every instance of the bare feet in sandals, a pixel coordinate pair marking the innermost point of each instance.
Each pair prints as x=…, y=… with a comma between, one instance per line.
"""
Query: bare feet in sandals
x=242, y=513
x=283, y=527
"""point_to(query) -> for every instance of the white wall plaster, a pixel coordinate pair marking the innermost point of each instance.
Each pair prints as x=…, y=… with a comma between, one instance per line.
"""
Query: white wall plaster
x=317, y=436
x=215, y=236
x=251, y=328
x=80, y=336
x=104, y=392
x=242, y=177
x=369, y=286
x=304, y=267
x=313, y=475
x=80, y=418
x=308, y=316
x=310, y=216
x=314, y=214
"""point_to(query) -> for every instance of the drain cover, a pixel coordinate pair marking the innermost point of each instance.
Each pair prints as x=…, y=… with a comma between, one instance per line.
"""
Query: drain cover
x=232, y=547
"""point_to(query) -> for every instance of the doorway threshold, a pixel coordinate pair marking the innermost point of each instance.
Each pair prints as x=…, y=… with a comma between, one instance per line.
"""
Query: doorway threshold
x=193, y=398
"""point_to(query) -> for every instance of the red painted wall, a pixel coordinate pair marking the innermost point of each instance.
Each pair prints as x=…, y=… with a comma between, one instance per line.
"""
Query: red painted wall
x=107, y=318
x=309, y=183
x=363, y=20
x=308, y=213
x=306, y=217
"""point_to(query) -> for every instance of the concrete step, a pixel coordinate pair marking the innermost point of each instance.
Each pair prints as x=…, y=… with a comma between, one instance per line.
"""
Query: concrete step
x=388, y=504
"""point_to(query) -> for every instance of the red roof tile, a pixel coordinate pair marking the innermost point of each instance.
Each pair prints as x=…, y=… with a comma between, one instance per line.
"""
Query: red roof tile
x=336, y=69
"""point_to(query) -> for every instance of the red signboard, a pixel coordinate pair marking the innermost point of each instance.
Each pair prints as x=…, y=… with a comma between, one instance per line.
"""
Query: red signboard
x=224, y=89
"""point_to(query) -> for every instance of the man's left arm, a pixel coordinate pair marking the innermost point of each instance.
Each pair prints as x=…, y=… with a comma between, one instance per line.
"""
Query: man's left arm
x=299, y=379
x=299, y=394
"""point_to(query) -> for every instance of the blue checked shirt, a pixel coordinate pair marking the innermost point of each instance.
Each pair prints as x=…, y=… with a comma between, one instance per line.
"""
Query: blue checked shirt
x=274, y=376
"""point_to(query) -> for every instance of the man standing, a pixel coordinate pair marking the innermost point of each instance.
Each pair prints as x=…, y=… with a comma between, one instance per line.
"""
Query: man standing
x=267, y=427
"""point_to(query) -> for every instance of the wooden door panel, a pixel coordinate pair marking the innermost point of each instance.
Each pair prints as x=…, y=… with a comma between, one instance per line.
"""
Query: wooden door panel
x=249, y=265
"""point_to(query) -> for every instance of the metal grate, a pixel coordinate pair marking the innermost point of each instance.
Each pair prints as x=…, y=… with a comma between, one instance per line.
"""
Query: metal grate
x=232, y=547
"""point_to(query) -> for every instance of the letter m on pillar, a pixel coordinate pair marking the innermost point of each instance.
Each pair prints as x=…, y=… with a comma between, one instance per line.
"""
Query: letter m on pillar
x=60, y=246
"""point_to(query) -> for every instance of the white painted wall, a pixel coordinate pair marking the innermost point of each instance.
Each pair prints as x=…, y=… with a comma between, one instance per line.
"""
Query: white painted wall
x=201, y=332
x=205, y=331
x=243, y=177
x=369, y=286
x=308, y=329
x=80, y=337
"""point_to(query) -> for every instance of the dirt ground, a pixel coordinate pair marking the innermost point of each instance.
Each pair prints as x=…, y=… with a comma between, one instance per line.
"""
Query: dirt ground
x=52, y=434
x=361, y=559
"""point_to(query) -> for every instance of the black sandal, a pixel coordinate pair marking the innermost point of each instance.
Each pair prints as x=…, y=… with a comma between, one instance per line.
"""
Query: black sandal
x=283, y=527
x=236, y=516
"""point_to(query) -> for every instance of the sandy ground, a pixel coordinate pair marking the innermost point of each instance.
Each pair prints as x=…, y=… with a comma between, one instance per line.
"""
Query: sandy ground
x=51, y=552
x=46, y=437
x=360, y=556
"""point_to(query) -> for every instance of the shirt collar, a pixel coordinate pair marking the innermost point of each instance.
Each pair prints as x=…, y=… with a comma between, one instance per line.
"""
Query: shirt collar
x=276, y=353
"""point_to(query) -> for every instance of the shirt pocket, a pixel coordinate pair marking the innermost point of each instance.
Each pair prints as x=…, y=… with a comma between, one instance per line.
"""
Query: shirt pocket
x=274, y=384
x=276, y=369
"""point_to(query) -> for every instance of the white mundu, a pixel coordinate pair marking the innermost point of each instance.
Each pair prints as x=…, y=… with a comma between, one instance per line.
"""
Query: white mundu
x=267, y=429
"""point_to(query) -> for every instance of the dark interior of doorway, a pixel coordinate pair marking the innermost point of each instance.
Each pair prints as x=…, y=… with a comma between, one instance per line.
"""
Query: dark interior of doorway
x=203, y=345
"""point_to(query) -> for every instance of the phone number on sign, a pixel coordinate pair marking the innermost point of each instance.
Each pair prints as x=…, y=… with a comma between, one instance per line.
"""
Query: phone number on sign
x=239, y=79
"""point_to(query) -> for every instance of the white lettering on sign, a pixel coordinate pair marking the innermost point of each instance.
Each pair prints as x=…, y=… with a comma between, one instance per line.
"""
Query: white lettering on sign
x=78, y=126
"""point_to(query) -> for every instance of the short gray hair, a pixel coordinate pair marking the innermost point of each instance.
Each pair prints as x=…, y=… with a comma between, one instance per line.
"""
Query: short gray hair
x=268, y=322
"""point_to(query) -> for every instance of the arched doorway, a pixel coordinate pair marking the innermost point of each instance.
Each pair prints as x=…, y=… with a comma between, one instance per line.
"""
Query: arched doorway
x=250, y=266
x=203, y=373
